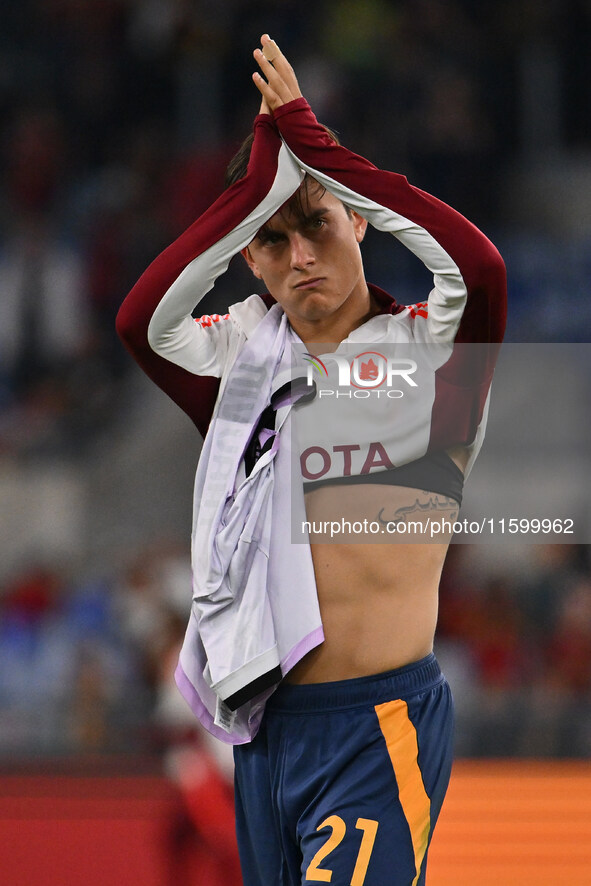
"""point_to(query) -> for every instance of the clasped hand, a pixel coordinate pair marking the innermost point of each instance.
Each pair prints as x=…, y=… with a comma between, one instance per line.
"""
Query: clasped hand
x=279, y=84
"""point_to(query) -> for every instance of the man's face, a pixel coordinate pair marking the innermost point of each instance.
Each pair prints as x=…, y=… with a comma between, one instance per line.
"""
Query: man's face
x=308, y=256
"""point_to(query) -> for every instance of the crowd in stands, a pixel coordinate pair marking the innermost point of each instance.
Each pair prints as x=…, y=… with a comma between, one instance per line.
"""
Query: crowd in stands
x=119, y=117
x=86, y=665
x=518, y=642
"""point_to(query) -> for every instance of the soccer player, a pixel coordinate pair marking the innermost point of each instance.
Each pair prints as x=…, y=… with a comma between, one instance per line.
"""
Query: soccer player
x=316, y=660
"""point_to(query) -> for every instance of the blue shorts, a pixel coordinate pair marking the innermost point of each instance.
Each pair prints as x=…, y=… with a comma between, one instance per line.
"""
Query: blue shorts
x=345, y=781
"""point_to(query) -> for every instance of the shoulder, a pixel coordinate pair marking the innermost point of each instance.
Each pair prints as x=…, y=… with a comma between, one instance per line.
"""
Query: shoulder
x=247, y=314
x=242, y=317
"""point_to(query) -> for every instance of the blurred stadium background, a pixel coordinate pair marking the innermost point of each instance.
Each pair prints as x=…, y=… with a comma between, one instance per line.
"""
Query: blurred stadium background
x=118, y=118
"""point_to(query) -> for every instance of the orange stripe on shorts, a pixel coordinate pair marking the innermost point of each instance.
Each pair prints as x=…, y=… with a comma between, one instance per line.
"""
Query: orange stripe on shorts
x=402, y=744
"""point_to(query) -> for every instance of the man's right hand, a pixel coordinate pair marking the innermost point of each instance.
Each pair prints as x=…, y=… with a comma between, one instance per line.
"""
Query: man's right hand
x=281, y=84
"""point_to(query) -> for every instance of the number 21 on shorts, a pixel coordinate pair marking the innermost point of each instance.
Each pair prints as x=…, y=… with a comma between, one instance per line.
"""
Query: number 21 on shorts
x=317, y=874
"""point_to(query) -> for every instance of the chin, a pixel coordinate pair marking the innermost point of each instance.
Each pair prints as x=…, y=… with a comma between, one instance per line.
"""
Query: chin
x=319, y=305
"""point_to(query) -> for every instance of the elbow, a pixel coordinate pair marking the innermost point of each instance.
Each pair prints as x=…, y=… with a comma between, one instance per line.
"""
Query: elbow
x=485, y=316
x=492, y=269
x=493, y=281
x=128, y=328
x=498, y=276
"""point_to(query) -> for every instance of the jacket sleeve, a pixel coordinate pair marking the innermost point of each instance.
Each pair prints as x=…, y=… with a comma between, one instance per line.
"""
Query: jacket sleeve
x=183, y=356
x=468, y=301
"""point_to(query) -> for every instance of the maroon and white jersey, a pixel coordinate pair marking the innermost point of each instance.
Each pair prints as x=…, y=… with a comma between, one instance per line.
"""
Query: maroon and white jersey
x=192, y=360
x=187, y=358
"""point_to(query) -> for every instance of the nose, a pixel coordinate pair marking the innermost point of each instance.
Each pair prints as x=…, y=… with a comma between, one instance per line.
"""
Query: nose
x=302, y=253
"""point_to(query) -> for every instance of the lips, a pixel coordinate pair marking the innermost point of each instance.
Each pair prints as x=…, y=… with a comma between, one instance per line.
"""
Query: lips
x=309, y=283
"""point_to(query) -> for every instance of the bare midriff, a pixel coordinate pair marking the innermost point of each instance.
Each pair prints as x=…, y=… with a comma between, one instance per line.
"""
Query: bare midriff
x=378, y=593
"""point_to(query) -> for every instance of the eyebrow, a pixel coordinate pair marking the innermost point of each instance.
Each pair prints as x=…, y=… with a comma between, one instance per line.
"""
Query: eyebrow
x=302, y=217
x=316, y=213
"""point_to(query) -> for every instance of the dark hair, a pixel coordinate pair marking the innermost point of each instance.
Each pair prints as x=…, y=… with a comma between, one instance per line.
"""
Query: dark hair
x=239, y=163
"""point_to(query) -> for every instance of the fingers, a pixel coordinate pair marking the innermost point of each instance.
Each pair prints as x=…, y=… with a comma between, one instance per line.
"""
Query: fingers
x=270, y=99
x=275, y=81
x=270, y=48
x=273, y=54
x=264, y=109
x=278, y=83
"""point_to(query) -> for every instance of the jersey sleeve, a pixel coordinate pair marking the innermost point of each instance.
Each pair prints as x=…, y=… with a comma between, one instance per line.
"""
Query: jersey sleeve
x=466, y=309
x=185, y=357
x=468, y=301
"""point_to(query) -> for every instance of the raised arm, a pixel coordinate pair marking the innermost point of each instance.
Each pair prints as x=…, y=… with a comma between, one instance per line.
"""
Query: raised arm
x=468, y=302
x=185, y=357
